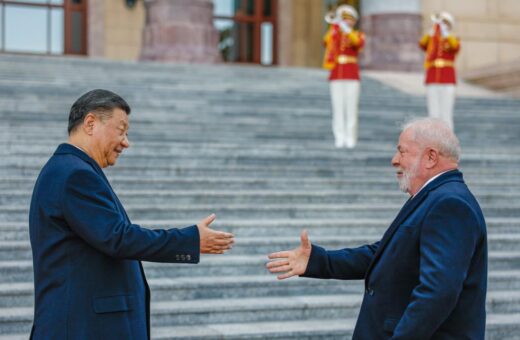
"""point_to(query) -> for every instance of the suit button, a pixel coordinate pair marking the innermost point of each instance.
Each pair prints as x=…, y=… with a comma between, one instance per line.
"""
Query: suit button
x=370, y=292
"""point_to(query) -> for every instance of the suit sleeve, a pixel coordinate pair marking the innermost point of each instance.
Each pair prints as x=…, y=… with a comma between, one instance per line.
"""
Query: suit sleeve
x=344, y=264
x=91, y=212
x=448, y=240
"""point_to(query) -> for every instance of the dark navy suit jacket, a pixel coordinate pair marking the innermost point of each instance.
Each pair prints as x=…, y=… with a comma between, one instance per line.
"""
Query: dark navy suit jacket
x=426, y=278
x=88, y=278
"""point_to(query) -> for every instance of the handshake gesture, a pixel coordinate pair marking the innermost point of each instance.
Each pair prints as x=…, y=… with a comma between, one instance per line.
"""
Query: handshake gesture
x=291, y=262
x=212, y=241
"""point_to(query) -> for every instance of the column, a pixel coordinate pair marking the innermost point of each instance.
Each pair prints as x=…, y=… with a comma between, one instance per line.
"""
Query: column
x=393, y=29
x=180, y=31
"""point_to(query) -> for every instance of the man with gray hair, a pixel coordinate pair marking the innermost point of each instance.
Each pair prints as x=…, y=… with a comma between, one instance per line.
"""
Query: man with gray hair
x=427, y=277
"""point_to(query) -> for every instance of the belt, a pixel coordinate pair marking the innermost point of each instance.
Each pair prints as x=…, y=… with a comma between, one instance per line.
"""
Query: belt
x=439, y=63
x=346, y=59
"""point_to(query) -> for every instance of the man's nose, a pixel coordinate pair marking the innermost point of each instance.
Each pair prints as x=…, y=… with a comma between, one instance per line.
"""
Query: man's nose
x=395, y=160
x=126, y=142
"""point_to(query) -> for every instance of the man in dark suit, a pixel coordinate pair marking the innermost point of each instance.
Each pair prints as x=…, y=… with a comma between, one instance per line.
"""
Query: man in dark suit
x=426, y=278
x=89, y=281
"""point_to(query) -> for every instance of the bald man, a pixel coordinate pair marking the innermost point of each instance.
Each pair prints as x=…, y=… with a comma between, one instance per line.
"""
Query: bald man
x=426, y=278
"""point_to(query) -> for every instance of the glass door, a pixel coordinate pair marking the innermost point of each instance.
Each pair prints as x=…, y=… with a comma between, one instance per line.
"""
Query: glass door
x=247, y=30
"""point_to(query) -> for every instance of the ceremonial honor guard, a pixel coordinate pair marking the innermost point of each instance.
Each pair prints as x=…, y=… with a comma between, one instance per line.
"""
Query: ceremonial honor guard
x=441, y=47
x=342, y=45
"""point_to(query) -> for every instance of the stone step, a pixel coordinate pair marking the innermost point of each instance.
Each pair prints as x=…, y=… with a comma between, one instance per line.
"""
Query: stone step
x=267, y=211
x=287, y=136
x=235, y=93
x=343, y=162
x=353, y=185
x=253, y=172
x=289, y=116
x=307, y=329
x=21, y=249
x=20, y=293
x=205, y=197
x=497, y=326
x=145, y=149
x=180, y=204
x=236, y=265
x=274, y=228
x=255, y=310
x=197, y=312
x=209, y=104
x=503, y=326
x=213, y=104
x=46, y=146
x=230, y=264
x=301, y=114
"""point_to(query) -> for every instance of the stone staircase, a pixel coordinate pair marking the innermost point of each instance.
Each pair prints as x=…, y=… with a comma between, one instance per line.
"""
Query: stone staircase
x=254, y=146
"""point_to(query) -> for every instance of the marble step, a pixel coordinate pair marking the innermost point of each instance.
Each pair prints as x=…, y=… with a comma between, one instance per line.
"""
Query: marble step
x=234, y=265
x=20, y=293
x=264, y=211
x=21, y=250
x=254, y=310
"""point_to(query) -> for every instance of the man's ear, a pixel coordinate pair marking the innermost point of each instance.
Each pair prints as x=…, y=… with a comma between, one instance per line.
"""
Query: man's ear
x=88, y=123
x=432, y=157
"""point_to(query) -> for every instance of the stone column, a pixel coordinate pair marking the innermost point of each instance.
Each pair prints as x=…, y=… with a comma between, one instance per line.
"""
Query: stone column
x=96, y=28
x=181, y=31
x=393, y=29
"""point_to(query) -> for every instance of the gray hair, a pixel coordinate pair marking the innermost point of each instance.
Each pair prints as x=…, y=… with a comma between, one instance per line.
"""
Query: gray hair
x=435, y=133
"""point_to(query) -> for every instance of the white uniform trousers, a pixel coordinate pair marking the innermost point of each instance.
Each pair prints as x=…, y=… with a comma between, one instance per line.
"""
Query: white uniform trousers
x=441, y=99
x=345, y=102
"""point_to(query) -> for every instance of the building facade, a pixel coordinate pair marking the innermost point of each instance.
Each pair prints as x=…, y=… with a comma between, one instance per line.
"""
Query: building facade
x=266, y=32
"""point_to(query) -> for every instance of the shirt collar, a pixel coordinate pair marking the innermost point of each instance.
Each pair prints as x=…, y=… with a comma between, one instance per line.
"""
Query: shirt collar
x=77, y=147
x=428, y=181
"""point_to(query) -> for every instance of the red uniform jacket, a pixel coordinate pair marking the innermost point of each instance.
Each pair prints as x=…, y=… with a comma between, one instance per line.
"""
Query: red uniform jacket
x=440, y=57
x=341, y=51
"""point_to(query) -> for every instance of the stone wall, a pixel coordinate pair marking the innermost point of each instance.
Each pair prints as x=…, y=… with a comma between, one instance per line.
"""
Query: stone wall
x=115, y=30
x=301, y=28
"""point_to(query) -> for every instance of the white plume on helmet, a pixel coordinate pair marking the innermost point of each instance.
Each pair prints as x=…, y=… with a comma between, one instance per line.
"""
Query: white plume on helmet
x=348, y=9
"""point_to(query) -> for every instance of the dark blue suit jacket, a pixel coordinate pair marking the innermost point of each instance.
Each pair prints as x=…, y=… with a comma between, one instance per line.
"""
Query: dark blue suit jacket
x=426, y=278
x=89, y=281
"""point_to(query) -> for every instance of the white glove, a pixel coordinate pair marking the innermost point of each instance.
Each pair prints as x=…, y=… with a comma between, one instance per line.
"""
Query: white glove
x=345, y=28
x=445, y=31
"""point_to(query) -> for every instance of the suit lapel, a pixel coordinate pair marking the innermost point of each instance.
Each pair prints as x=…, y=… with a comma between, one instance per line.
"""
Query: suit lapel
x=407, y=209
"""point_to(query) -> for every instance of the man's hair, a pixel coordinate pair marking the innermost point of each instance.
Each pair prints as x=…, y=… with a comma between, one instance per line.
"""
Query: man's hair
x=99, y=102
x=434, y=132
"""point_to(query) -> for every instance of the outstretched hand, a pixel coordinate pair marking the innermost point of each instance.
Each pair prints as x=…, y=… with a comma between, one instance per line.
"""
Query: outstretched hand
x=212, y=241
x=291, y=262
